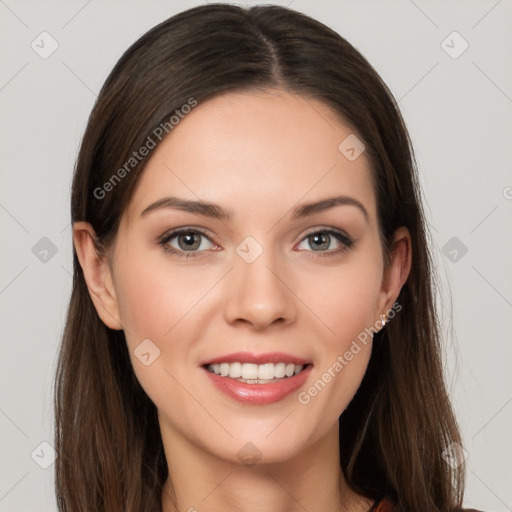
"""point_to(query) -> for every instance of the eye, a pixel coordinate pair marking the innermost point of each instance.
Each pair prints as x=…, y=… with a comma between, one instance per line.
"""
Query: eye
x=321, y=240
x=189, y=242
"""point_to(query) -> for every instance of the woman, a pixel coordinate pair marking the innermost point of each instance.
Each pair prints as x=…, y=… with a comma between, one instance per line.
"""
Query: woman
x=252, y=323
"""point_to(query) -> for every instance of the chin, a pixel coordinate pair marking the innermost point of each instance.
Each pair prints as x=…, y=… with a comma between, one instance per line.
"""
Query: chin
x=263, y=445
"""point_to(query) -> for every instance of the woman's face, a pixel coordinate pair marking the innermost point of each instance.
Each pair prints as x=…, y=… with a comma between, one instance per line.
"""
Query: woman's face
x=274, y=279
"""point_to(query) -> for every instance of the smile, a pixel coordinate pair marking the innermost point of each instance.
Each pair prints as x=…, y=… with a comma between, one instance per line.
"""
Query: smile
x=251, y=373
x=257, y=379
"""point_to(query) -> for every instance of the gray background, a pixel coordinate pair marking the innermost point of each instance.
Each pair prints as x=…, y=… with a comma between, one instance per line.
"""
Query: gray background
x=458, y=111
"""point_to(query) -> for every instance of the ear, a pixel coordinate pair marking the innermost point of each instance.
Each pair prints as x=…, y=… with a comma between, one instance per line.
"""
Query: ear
x=97, y=274
x=397, y=272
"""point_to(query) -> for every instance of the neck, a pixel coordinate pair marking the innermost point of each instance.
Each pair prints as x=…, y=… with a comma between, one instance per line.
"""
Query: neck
x=312, y=480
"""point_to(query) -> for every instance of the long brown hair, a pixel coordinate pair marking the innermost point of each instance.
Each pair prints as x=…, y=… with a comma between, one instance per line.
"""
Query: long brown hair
x=394, y=432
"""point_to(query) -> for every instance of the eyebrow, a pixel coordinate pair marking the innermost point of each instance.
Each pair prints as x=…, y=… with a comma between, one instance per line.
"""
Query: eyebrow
x=217, y=212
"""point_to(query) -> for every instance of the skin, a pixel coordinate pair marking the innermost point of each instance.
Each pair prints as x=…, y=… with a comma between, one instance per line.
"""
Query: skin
x=259, y=155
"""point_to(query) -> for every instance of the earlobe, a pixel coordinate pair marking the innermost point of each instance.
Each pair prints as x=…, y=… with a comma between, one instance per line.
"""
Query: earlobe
x=97, y=275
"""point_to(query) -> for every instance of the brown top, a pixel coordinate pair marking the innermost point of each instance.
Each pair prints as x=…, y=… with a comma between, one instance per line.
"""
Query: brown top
x=386, y=505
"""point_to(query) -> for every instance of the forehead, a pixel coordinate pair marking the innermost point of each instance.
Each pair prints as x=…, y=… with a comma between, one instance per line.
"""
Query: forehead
x=255, y=152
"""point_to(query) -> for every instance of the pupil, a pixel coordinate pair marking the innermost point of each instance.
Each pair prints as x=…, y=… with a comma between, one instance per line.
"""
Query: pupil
x=189, y=241
x=323, y=239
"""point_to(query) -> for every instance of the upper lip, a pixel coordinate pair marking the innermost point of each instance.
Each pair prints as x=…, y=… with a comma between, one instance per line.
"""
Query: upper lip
x=250, y=357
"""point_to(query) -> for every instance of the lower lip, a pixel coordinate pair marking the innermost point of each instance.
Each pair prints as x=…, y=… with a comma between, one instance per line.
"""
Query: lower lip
x=259, y=394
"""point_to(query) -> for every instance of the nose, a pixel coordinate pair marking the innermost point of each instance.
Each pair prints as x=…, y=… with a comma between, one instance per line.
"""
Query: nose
x=259, y=294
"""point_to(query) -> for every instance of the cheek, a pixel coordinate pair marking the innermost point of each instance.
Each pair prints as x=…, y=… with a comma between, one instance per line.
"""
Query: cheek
x=160, y=302
x=155, y=297
x=344, y=298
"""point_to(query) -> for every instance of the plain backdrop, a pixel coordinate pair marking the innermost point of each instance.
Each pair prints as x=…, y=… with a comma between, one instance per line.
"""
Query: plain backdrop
x=457, y=103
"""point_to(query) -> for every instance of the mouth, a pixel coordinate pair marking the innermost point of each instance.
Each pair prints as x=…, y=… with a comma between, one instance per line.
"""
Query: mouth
x=257, y=379
x=251, y=373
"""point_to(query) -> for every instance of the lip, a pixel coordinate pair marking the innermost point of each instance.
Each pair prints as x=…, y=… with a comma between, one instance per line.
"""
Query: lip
x=259, y=394
x=250, y=357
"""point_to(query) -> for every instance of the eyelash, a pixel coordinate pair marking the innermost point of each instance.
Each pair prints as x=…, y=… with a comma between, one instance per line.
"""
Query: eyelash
x=347, y=242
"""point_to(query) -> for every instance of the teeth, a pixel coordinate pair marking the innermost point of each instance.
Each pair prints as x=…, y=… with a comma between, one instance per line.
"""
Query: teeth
x=266, y=371
x=235, y=370
x=248, y=371
x=280, y=370
x=256, y=373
